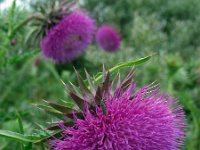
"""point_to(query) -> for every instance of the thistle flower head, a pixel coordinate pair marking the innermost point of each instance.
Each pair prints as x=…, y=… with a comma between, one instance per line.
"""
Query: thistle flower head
x=47, y=14
x=108, y=38
x=69, y=38
x=120, y=118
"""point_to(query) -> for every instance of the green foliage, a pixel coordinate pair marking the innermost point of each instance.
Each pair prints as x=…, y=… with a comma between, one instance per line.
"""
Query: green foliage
x=168, y=28
x=148, y=30
x=13, y=50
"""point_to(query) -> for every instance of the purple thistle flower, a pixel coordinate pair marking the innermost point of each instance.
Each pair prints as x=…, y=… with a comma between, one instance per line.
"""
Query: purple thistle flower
x=144, y=120
x=69, y=38
x=108, y=38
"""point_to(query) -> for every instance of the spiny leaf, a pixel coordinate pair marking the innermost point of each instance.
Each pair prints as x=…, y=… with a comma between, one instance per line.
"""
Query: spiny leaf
x=106, y=82
x=98, y=95
x=56, y=114
x=79, y=101
x=52, y=111
x=73, y=86
x=60, y=108
x=85, y=91
x=104, y=72
x=68, y=103
x=127, y=81
x=103, y=106
x=44, y=107
x=117, y=80
x=91, y=85
x=77, y=114
x=76, y=89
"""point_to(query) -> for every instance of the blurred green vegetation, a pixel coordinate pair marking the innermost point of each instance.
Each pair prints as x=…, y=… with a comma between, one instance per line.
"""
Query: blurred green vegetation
x=171, y=29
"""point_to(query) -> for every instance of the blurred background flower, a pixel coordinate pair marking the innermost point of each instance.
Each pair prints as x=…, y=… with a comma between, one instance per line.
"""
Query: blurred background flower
x=108, y=38
x=69, y=38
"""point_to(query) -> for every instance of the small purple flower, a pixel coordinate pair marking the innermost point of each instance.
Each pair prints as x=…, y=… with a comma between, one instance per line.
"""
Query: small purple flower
x=108, y=38
x=69, y=38
x=144, y=120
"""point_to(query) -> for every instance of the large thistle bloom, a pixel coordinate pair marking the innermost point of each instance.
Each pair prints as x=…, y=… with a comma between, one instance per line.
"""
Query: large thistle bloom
x=121, y=119
x=69, y=38
x=108, y=38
